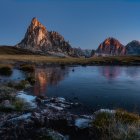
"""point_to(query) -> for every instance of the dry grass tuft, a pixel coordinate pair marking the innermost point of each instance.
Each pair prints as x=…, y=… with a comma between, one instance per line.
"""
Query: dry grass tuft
x=121, y=125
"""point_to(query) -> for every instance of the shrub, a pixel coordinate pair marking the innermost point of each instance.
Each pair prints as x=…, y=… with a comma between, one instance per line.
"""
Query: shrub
x=5, y=109
x=7, y=93
x=31, y=80
x=120, y=125
x=5, y=70
x=45, y=137
x=27, y=68
x=103, y=119
x=126, y=117
x=21, y=105
x=21, y=85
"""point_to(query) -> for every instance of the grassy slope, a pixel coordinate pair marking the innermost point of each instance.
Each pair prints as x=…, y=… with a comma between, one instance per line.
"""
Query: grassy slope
x=8, y=53
x=12, y=50
x=89, y=61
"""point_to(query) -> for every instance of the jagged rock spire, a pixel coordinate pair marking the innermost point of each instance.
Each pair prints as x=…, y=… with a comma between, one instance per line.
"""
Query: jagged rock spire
x=39, y=39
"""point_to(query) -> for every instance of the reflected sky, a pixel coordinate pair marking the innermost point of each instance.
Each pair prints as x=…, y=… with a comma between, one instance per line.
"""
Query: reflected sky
x=95, y=86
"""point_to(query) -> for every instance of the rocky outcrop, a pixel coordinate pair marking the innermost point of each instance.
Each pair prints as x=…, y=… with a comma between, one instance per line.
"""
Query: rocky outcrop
x=36, y=37
x=110, y=47
x=51, y=119
x=39, y=39
x=133, y=48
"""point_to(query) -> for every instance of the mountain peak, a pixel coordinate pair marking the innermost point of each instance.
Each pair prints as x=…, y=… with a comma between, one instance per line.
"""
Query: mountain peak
x=134, y=42
x=111, y=40
x=34, y=19
x=133, y=48
x=36, y=23
x=110, y=46
x=38, y=38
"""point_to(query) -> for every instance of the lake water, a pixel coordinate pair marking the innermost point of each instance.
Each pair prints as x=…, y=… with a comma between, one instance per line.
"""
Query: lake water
x=94, y=86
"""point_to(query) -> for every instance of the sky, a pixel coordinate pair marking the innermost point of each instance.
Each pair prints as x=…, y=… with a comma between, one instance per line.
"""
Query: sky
x=84, y=23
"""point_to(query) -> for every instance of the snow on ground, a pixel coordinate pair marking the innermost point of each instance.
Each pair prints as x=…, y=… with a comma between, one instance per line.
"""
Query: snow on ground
x=27, y=98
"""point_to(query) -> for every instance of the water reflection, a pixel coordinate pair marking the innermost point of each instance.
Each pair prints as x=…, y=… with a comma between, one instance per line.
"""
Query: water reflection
x=48, y=76
x=95, y=86
x=110, y=72
x=51, y=76
x=133, y=72
x=113, y=72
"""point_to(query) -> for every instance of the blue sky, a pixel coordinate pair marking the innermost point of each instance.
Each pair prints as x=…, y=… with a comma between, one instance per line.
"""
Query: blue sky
x=85, y=23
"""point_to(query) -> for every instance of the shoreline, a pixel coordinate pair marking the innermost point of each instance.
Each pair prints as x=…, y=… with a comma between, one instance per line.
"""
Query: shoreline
x=55, y=118
x=50, y=118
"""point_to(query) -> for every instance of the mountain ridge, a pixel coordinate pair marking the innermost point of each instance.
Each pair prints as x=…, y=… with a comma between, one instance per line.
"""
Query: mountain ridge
x=110, y=46
x=113, y=47
x=39, y=39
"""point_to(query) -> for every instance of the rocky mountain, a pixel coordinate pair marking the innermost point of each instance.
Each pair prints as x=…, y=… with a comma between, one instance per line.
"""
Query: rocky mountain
x=133, y=48
x=110, y=47
x=39, y=39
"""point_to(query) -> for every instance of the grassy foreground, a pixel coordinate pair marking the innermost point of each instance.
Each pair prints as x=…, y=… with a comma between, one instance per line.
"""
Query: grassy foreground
x=120, y=125
x=114, y=60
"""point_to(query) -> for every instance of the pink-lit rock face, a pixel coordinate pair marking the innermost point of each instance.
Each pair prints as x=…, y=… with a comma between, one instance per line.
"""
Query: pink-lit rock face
x=110, y=46
x=46, y=77
x=110, y=72
x=38, y=38
x=36, y=23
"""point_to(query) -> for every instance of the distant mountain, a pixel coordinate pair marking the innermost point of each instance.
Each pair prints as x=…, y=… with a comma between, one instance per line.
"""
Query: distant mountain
x=110, y=47
x=133, y=48
x=88, y=52
x=39, y=39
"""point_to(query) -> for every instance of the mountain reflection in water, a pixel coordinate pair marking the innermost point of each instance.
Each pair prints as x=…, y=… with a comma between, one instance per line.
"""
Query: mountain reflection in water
x=95, y=86
x=48, y=76
x=52, y=76
x=113, y=72
x=110, y=72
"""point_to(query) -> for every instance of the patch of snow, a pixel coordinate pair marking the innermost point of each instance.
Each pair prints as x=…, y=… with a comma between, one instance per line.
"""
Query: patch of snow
x=60, y=99
x=105, y=111
x=82, y=122
x=22, y=117
x=27, y=98
x=55, y=107
x=87, y=116
x=57, y=136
